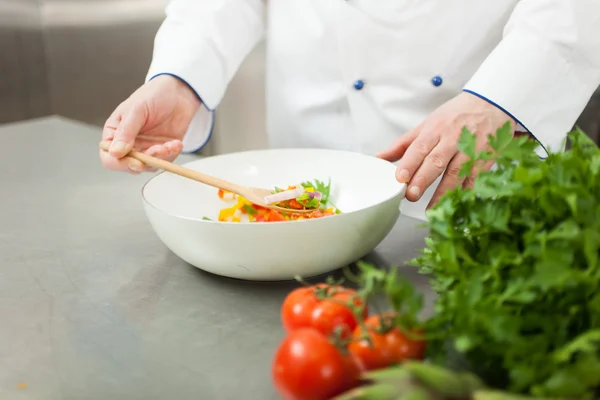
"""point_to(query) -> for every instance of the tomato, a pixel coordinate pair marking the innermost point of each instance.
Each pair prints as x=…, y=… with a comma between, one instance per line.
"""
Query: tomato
x=293, y=203
x=323, y=307
x=274, y=216
x=308, y=367
x=388, y=346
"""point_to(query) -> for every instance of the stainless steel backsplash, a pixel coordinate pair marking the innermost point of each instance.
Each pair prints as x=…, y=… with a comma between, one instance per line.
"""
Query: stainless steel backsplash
x=81, y=58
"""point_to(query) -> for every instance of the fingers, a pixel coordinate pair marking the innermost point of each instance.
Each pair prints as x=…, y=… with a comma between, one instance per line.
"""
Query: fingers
x=144, y=142
x=168, y=151
x=398, y=148
x=451, y=178
x=108, y=133
x=431, y=167
x=122, y=128
x=127, y=130
x=111, y=124
x=126, y=164
x=413, y=158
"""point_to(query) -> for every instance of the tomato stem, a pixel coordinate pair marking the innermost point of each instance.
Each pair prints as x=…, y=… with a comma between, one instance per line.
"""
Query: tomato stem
x=324, y=292
x=338, y=338
x=300, y=280
x=351, y=276
x=386, y=323
x=330, y=280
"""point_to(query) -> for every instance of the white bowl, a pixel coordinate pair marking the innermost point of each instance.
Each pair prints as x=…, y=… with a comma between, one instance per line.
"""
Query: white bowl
x=363, y=187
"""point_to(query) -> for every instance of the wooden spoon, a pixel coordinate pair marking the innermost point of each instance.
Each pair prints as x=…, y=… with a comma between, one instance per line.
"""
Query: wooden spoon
x=253, y=195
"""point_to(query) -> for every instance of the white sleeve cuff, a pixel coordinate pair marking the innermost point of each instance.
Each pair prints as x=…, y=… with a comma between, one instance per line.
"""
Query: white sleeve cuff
x=200, y=130
x=537, y=85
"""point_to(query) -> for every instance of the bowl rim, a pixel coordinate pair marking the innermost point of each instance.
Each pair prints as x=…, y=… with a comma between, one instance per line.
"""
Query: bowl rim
x=400, y=192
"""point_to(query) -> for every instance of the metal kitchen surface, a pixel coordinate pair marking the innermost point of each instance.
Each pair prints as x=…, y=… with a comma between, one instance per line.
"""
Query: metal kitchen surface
x=93, y=306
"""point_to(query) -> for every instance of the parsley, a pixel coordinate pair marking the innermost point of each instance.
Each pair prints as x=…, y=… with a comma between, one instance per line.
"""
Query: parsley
x=324, y=188
x=516, y=265
x=400, y=294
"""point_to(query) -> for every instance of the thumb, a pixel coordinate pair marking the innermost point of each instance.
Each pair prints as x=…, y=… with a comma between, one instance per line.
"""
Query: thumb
x=129, y=127
x=399, y=147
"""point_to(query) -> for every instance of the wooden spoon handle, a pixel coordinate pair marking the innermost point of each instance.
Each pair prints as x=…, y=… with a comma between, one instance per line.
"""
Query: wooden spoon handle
x=179, y=170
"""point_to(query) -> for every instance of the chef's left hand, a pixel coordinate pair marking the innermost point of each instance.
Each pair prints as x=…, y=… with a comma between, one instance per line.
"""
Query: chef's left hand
x=432, y=147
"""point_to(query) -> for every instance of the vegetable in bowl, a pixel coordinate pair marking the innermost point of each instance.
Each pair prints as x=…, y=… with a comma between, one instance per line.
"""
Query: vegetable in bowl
x=305, y=196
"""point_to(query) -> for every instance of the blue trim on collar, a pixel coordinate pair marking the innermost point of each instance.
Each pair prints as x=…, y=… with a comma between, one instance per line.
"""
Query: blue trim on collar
x=212, y=111
x=510, y=115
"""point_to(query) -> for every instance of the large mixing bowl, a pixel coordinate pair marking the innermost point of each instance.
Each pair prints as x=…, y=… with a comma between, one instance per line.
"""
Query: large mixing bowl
x=363, y=187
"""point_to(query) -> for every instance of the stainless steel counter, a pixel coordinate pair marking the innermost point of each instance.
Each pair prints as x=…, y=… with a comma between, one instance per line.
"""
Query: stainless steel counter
x=93, y=306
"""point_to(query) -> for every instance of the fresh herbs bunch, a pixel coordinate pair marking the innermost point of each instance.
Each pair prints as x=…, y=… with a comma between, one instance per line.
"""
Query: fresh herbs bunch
x=515, y=264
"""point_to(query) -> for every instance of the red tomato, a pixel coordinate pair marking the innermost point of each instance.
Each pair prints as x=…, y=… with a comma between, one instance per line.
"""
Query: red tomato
x=388, y=347
x=308, y=367
x=293, y=203
x=275, y=216
x=322, y=307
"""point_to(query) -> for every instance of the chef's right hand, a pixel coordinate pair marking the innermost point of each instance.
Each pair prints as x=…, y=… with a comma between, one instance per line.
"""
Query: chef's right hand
x=153, y=120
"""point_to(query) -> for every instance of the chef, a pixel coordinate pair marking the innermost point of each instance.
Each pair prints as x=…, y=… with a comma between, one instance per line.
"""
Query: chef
x=394, y=78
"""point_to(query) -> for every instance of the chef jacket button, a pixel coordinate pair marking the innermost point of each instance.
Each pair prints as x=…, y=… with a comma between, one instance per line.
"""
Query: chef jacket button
x=359, y=84
x=437, y=81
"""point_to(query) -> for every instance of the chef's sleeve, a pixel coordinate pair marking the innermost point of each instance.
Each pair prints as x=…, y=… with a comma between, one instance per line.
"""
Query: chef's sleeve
x=203, y=43
x=545, y=69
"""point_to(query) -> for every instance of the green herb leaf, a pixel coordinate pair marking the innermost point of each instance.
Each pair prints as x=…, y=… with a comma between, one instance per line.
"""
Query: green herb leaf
x=324, y=188
x=515, y=263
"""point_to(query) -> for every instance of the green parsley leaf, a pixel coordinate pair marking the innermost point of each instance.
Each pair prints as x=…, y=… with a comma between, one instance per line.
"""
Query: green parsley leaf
x=515, y=262
x=323, y=188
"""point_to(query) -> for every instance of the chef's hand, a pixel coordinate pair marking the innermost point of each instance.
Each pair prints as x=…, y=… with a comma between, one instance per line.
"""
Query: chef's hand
x=432, y=147
x=153, y=119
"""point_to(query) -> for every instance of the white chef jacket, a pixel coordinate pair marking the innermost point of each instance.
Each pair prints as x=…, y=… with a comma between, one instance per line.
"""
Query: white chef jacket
x=356, y=74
